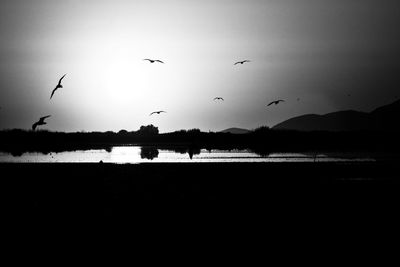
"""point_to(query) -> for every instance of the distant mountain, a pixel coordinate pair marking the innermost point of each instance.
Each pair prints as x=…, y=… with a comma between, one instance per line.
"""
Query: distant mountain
x=387, y=117
x=235, y=131
x=382, y=118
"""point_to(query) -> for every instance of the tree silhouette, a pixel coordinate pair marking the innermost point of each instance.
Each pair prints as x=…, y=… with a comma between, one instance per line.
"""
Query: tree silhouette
x=123, y=131
x=194, y=131
x=262, y=130
x=148, y=152
x=148, y=130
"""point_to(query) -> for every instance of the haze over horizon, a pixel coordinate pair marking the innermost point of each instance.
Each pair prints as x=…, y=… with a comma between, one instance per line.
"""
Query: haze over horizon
x=319, y=51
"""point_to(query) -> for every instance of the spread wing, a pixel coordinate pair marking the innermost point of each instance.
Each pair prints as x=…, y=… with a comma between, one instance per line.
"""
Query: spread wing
x=158, y=112
x=34, y=125
x=241, y=62
x=52, y=93
x=45, y=117
x=59, y=82
x=271, y=103
x=159, y=61
x=41, y=120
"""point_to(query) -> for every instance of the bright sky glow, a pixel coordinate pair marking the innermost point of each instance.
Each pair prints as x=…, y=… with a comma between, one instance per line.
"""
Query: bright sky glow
x=318, y=51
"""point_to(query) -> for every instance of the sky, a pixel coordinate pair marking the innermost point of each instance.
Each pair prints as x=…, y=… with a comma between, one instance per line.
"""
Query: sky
x=330, y=54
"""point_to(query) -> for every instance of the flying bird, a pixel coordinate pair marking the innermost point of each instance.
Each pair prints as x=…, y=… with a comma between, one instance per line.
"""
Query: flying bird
x=218, y=98
x=241, y=62
x=276, y=102
x=158, y=112
x=153, y=60
x=58, y=86
x=40, y=122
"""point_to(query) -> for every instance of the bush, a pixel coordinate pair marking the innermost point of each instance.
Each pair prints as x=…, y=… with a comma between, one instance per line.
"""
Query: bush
x=123, y=131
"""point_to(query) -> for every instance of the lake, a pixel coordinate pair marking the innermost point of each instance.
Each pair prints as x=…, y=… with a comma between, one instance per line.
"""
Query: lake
x=148, y=154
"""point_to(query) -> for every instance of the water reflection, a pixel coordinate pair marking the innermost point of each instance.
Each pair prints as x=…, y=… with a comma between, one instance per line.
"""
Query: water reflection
x=191, y=151
x=151, y=152
x=137, y=154
x=262, y=152
x=148, y=152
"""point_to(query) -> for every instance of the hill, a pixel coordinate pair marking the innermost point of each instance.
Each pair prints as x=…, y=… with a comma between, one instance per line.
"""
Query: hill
x=235, y=131
x=386, y=117
x=382, y=118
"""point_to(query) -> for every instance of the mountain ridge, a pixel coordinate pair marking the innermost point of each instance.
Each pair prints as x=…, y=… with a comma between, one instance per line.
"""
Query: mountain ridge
x=381, y=118
x=235, y=130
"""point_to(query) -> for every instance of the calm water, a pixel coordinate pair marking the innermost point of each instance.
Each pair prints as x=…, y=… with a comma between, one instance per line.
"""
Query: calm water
x=137, y=154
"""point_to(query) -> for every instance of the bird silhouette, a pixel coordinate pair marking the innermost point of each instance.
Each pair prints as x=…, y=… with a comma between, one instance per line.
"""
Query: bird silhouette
x=276, y=102
x=153, y=60
x=158, y=112
x=241, y=62
x=58, y=86
x=40, y=122
x=218, y=98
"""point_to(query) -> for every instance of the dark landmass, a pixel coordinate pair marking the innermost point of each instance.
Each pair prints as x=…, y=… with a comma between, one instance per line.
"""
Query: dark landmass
x=262, y=141
x=354, y=131
x=381, y=119
x=337, y=121
x=235, y=131
x=129, y=189
x=70, y=190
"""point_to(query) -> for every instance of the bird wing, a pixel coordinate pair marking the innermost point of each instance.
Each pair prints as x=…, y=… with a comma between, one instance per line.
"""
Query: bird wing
x=237, y=63
x=59, y=82
x=246, y=60
x=52, y=93
x=280, y=100
x=271, y=103
x=159, y=61
x=34, y=125
x=43, y=118
x=152, y=113
x=148, y=59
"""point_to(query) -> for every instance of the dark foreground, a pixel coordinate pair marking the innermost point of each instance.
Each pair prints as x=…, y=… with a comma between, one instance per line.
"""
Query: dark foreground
x=129, y=190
